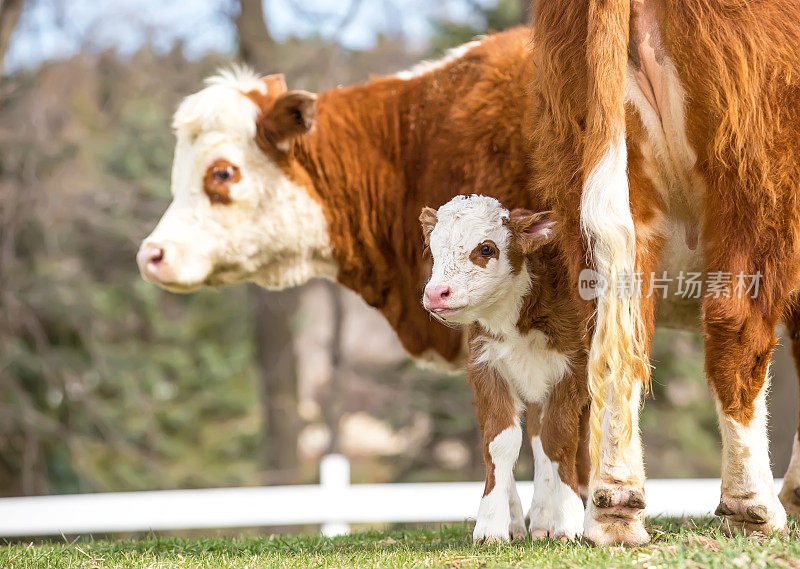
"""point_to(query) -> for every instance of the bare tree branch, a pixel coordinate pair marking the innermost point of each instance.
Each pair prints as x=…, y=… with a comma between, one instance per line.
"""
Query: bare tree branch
x=317, y=18
x=255, y=41
x=10, y=11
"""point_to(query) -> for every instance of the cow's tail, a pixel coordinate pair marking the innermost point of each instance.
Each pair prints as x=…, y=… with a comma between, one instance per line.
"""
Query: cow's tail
x=616, y=358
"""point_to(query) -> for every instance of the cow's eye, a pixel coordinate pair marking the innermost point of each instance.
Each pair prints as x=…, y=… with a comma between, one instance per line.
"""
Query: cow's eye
x=219, y=179
x=487, y=250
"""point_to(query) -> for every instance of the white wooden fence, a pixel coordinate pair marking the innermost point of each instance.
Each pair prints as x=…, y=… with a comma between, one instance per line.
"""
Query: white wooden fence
x=334, y=503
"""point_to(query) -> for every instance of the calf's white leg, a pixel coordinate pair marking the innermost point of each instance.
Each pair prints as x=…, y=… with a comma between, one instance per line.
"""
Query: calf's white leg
x=567, y=509
x=494, y=515
x=541, y=514
x=500, y=513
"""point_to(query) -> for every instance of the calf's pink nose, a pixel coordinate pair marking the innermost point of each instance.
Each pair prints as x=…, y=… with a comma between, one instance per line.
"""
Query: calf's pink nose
x=437, y=296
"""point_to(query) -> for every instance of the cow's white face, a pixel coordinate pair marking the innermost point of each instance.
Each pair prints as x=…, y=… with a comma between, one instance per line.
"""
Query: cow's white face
x=236, y=213
x=479, y=250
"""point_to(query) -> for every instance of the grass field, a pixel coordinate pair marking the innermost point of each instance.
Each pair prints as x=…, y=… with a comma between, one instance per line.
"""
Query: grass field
x=675, y=543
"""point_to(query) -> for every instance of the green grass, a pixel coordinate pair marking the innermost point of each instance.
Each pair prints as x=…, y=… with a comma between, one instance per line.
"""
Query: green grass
x=675, y=543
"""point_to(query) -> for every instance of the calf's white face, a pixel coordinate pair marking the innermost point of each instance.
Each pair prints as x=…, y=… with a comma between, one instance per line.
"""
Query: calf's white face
x=236, y=213
x=478, y=250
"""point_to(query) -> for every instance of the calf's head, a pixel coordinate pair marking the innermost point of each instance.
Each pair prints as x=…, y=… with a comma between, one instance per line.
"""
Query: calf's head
x=242, y=208
x=479, y=252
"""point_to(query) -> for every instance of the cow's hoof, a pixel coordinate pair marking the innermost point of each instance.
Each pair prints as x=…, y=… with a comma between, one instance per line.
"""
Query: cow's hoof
x=790, y=498
x=615, y=515
x=750, y=515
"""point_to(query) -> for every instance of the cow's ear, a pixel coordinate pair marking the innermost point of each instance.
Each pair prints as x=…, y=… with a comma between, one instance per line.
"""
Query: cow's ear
x=531, y=230
x=293, y=114
x=428, y=220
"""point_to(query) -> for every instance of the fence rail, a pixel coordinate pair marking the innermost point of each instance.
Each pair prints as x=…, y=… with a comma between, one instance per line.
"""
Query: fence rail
x=334, y=503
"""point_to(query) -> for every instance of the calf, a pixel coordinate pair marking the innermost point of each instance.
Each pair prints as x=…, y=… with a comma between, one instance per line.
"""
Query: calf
x=496, y=272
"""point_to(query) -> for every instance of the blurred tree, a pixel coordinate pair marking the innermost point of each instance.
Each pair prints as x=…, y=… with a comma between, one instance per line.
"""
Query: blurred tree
x=255, y=42
x=334, y=406
x=274, y=310
x=527, y=12
x=10, y=11
x=107, y=383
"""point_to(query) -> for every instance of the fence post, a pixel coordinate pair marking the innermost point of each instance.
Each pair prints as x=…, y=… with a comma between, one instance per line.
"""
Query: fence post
x=334, y=479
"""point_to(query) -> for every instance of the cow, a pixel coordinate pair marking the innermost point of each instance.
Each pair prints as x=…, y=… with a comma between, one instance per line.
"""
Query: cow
x=278, y=186
x=496, y=272
x=650, y=120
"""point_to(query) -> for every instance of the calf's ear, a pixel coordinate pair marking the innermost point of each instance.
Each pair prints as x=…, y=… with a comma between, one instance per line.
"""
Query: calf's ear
x=293, y=114
x=531, y=230
x=276, y=84
x=428, y=220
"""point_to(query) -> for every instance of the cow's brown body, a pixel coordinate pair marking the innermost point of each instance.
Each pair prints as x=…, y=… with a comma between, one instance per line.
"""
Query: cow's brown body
x=382, y=151
x=722, y=80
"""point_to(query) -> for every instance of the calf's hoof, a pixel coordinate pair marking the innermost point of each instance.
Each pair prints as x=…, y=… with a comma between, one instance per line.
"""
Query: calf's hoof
x=518, y=534
x=615, y=515
x=750, y=515
x=571, y=530
x=488, y=540
x=488, y=532
x=790, y=498
x=540, y=534
x=568, y=537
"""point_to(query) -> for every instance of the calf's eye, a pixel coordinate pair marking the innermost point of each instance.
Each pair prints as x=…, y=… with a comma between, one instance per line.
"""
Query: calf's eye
x=223, y=174
x=487, y=250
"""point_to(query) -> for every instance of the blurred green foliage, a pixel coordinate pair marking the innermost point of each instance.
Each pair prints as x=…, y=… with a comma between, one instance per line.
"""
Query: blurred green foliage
x=495, y=17
x=106, y=381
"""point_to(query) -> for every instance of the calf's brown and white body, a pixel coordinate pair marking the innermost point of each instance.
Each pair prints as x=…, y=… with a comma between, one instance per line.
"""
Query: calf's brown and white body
x=493, y=271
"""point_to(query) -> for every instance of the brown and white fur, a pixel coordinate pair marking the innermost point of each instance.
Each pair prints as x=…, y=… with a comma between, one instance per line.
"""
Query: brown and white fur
x=652, y=119
x=495, y=272
x=277, y=186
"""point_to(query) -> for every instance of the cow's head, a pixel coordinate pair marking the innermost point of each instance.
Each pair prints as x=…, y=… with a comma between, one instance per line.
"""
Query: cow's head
x=241, y=209
x=479, y=252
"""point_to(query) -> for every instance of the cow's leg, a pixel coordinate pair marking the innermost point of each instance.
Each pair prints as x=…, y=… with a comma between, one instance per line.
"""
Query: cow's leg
x=790, y=493
x=499, y=420
x=618, y=370
x=739, y=338
x=560, y=435
x=581, y=163
x=541, y=513
x=582, y=462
